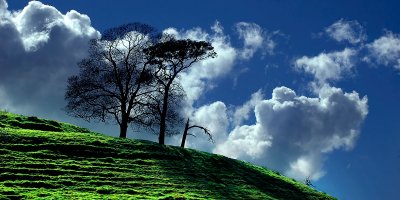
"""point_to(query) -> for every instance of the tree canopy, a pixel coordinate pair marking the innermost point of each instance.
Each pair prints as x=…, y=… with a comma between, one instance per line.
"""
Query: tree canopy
x=114, y=78
x=170, y=58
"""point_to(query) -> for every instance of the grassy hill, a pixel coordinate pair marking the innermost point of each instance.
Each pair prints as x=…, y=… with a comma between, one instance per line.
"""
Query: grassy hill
x=50, y=160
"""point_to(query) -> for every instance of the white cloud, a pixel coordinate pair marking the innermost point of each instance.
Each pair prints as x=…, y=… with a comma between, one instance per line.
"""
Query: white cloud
x=255, y=38
x=293, y=133
x=306, y=167
x=386, y=50
x=39, y=48
x=347, y=31
x=194, y=81
x=328, y=66
x=246, y=143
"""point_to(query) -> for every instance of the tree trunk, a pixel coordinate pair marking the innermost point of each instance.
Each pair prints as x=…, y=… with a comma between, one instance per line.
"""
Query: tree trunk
x=161, y=137
x=123, y=130
x=123, y=127
x=163, y=126
x=185, y=134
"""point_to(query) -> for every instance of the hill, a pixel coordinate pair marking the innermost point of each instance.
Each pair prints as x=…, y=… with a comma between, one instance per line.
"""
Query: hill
x=50, y=160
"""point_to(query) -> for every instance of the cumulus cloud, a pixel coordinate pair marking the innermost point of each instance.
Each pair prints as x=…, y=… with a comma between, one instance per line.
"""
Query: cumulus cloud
x=385, y=50
x=246, y=143
x=254, y=38
x=294, y=133
x=303, y=130
x=36, y=22
x=346, y=31
x=328, y=66
x=40, y=49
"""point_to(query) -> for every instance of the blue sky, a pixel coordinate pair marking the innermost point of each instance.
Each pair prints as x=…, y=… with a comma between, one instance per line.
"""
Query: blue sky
x=337, y=62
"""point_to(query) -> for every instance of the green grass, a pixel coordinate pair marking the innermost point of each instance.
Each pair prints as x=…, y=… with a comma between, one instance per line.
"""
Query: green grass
x=45, y=159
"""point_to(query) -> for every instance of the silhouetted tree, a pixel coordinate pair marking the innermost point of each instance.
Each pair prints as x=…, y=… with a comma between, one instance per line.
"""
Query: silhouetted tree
x=186, y=133
x=170, y=58
x=153, y=105
x=114, y=78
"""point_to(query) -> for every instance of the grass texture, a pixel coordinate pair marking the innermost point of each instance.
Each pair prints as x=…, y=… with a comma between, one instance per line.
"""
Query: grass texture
x=45, y=159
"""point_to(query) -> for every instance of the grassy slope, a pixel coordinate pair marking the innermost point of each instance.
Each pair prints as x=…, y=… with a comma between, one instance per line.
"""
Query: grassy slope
x=47, y=159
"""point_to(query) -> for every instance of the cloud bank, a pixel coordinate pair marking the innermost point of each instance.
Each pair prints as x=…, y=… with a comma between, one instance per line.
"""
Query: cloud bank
x=40, y=49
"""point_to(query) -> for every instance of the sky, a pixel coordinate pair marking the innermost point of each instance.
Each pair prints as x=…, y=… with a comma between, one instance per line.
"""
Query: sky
x=306, y=88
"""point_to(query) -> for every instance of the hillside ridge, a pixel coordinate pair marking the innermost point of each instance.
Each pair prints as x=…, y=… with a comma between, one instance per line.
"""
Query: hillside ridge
x=51, y=160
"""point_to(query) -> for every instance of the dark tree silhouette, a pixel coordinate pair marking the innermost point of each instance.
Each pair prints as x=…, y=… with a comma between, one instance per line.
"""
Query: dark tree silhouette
x=153, y=105
x=186, y=133
x=171, y=57
x=114, y=78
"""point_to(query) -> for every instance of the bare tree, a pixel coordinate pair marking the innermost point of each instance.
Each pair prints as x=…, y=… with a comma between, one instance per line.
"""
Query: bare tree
x=186, y=133
x=114, y=78
x=171, y=57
